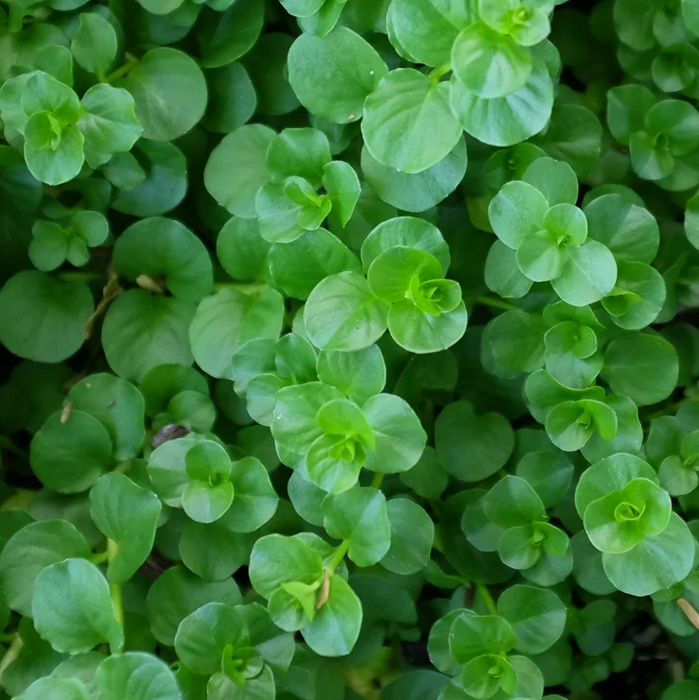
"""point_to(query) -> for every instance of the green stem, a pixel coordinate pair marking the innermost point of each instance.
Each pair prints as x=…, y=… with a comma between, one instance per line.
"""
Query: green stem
x=246, y=288
x=8, y=637
x=377, y=480
x=496, y=303
x=8, y=444
x=131, y=63
x=11, y=654
x=99, y=558
x=338, y=556
x=438, y=73
x=487, y=598
x=115, y=588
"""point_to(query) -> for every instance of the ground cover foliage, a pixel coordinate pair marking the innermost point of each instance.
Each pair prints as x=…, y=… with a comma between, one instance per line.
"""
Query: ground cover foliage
x=349, y=349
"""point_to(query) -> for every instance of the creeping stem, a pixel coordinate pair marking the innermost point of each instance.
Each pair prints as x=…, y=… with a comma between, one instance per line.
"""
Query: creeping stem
x=338, y=556
x=487, y=598
x=11, y=654
x=438, y=73
x=115, y=588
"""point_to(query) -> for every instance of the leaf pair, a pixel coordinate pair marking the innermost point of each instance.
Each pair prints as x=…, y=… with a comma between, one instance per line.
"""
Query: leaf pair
x=537, y=218
x=297, y=577
x=628, y=517
x=113, y=679
x=662, y=136
x=405, y=260
x=337, y=438
x=60, y=132
x=279, y=179
x=198, y=475
x=518, y=529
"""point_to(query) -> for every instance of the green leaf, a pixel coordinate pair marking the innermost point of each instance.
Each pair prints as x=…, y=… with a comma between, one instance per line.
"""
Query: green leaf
x=485, y=675
x=203, y=636
x=360, y=516
x=41, y=318
x=170, y=93
x=556, y=180
x=638, y=297
x=333, y=75
x=588, y=274
x=588, y=571
x=143, y=330
x=488, y=63
x=72, y=608
x=655, y=564
x=58, y=688
x=118, y=405
x=627, y=106
x=335, y=627
x=261, y=687
x=177, y=593
x=425, y=31
x=358, y=375
x=255, y=499
x=400, y=437
x=94, y=44
x=62, y=443
x=647, y=373
x=524, y=355
x=572, y=423
x=342, y=185
x=302, y=8
x=166, y=381
x=342, y=314
x=128, y=516
x=237, y=168
x=29, y=551
x=213, y=551
x=628, y=230
x=537, y=616
x=512, y=502
x=164, y=186
x=297, y=267
x=550, y=474
x=472, y=447
x=230, y=32
x=609, y=475
x=405, y=232
x=412, y=537
x=205, y=502
x=138, y=676
x=517, y=212
x=422, y=108
x=294, y=425
x=619, y=521
x=277, y=559
x=160, y=247
x=223, y=322
x=420, y=191
x=232, y=98
x=473, y=635
x=299, y=152
x=241, y=250
x=391, y=274
x=507, y=120
x=419, y=331
x=167, y=469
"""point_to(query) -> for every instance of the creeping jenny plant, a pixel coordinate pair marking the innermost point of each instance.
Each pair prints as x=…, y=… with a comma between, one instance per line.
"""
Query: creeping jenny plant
x=349, y=349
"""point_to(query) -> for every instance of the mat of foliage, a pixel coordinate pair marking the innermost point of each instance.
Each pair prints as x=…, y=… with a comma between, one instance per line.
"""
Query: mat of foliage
x=349, y=349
